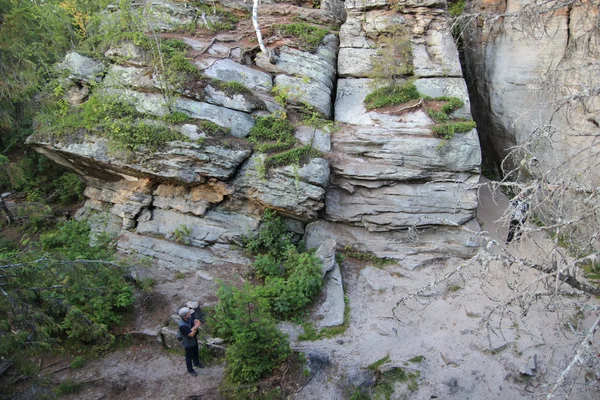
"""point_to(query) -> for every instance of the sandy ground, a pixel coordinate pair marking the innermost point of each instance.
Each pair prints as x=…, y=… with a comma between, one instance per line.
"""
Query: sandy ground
x=446, y=324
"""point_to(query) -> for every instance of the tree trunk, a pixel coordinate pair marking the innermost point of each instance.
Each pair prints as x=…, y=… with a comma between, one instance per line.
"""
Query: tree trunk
x=259, y=34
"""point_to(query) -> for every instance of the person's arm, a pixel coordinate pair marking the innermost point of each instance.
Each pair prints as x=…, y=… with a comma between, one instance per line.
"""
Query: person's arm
x=195, y=328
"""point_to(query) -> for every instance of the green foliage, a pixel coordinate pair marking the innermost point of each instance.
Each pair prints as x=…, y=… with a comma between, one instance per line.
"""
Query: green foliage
x=308, y=36
x=417, y=359
x=78, y=362
x=212, y=129
x=233, y=87
x=61, y=289
x=314, y=119
x=246, y=316
x=182, y=234
x=217, y=17
x=384, y=389
x=68, y=387
x=456, y=7
x=447, y=130
x=69, y=188
x=272, y=134
x=296, y=156
x=391, y=96
x=177, y=118
x=349, y=251
x=258, y=346
x=34, y=35
x=293, y=291
x=272, y=238
x=360, y=394
x=375, y=366
x=114, y=118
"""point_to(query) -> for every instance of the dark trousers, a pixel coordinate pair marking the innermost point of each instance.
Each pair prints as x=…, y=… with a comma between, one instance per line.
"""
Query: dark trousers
x=514, y=230
x=191, y=357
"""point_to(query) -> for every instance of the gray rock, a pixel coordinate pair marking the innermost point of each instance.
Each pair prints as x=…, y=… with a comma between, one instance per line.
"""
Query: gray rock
x=129, y=77
x=307, y=91
x=326, y=253
x=400, y=206
x=316, y=172
x=365, y=4
x=290, y=329
x=239, y=122
x=331, y=311
x=320, y=139
x=191, y=132
x=290, y=195
x=81, y=67
x=204, y=275
x=352, y=35
x=356, y=62
x=215, y=227
x=76, y=95
x=455, y=87
x=237, y=101
x=349, y=107
x=230, y=71
x=179, y=162
x=166, y=16
x=400, y=154
x=320, y=66
x=437, y=243
x=436, y=55
x=180, y=257
x=168, y=337
x=378, y=279
x=195, y=44
x=132, y=54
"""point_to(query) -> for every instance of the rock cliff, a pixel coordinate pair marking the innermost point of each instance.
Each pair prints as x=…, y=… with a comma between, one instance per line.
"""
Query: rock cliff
x=375, y=180
x=533, y=72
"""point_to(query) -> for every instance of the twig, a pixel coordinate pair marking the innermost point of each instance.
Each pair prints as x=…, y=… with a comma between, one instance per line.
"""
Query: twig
x=584, y=348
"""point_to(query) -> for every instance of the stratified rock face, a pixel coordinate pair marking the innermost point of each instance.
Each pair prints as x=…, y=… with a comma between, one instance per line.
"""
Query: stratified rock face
x=369, y=179
x=389, y=172
x=536, y=80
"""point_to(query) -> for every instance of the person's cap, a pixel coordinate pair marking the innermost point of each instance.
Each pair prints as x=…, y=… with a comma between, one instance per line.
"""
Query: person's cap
x=183, y=311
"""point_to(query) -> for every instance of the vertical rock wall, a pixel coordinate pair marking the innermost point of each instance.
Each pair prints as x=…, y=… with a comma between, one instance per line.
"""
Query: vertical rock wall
x=533, y=73
x=389, y=173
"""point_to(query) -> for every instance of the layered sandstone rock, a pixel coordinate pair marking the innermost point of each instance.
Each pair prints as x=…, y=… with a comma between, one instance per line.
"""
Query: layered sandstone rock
x=379, y=174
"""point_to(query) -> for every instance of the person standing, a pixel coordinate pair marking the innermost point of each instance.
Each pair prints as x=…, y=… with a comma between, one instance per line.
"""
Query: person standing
x=518, y=217
x=188, y=327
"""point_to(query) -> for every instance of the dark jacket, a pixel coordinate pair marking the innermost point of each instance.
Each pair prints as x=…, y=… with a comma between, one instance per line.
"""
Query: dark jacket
x=185, y=328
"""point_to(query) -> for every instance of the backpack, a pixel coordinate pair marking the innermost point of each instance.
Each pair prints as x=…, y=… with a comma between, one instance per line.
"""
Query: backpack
x=178, y=335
